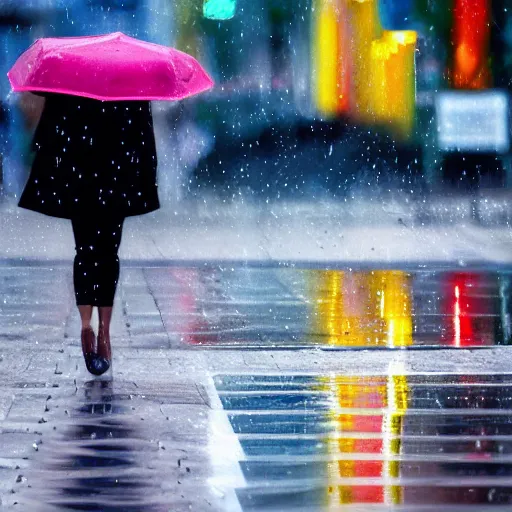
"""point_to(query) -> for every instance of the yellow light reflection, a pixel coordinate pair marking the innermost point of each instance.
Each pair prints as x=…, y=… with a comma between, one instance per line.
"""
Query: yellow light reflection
x=367, y=414
x=394, y=81
x=361, y=69
x=362, y=308
x=328, y=315
x=330, y=60
x=364, y=28
x=391, y=290
x=392, y=428
x=379, y=55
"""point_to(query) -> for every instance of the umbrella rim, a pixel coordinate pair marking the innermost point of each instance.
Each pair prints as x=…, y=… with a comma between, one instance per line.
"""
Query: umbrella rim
x=66, y=92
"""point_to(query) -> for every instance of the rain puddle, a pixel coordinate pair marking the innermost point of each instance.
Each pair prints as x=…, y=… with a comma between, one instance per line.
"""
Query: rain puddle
x=240, y=307
x=381, y=442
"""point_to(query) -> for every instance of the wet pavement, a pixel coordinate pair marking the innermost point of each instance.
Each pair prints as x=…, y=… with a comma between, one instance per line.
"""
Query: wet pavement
x=385, y=442
x=220, y=306
x=107, y=453
x=384, y=229
x=241, y=388
x=335, y=309
x=89, y=465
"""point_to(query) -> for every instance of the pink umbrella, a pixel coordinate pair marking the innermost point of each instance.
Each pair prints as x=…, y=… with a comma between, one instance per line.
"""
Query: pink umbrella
x=111, y=67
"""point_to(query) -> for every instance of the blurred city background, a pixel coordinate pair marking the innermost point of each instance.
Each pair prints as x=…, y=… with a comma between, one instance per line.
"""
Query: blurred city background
x=313, y=98
x=319, y=317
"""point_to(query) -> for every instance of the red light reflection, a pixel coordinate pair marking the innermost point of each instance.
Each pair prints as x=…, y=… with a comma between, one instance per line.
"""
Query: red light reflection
x=470, y=39
x=469, y=310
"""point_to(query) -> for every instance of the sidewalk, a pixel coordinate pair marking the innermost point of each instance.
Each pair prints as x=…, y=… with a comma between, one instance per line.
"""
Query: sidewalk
x=167, y=433
x=157, y=421
x=440, y=230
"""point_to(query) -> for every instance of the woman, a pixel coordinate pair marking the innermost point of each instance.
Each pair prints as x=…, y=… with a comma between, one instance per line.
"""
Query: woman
x=95, y=164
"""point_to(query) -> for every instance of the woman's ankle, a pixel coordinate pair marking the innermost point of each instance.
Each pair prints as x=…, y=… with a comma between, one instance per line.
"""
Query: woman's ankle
x=88, y=340
x=104, y=348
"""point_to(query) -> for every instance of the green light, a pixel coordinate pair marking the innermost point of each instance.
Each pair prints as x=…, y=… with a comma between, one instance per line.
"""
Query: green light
x=219, y=9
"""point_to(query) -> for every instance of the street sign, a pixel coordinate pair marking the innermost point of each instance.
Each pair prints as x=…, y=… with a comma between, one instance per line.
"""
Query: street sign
x=473, y=121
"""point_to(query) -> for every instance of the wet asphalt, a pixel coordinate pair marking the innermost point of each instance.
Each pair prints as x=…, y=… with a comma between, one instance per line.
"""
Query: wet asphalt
x=239, y=388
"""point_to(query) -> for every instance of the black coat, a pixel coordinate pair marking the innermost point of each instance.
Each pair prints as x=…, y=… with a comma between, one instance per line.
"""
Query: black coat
x=93, y=158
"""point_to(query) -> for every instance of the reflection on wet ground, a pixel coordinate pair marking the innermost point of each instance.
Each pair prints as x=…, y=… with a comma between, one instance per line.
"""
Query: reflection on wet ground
x=248, y=307
x=100, y=462
x=385, y=442
x=296, y=442
x=299, y=440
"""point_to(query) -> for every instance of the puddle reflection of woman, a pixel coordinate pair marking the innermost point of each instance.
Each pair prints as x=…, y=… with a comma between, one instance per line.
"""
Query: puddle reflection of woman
x=95, y=164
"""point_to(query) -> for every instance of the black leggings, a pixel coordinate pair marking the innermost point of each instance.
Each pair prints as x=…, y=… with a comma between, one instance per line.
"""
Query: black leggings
x=96, y=266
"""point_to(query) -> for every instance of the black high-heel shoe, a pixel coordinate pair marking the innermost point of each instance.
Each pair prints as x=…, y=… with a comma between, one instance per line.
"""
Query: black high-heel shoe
x=96, y=364
x=103, y=362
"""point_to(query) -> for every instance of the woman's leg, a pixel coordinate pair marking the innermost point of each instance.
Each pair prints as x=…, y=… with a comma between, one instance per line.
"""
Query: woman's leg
x=110, y=241
x=82, y=238
x=87, y=336
x=85, y=316
x=104, y=349
x=96, y=273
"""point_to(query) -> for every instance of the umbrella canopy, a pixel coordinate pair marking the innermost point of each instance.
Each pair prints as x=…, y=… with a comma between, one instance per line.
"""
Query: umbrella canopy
x=111, y=67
